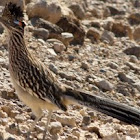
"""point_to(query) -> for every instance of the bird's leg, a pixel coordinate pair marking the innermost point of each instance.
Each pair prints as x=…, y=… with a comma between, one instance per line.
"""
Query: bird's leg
x=48, y=121
x=33, y=125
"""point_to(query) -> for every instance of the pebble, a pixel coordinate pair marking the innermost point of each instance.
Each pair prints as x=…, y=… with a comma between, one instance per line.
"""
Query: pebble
x=53, y=68
x=58, y=47
x=41, y=33
x=113, y=65
x=104, y=84
x=52, y=52
x=106, y=130
x=69, y=75
x=136, y=35
x=125, y=78
x=6, y=109
x=134, y=18
x=107, y=37
x=66, y=120
x=135, y=50
x=93, y=33
x=71, y=137
x=71, y=57
x=137, y=85
x=39, y=129
x=78, y=10
x=76, y=132
x=86, y=120
x=133, y=66
x=55, y=128
x=13, y=113
x=20, y=118
x=3, y=114
x=4, y=121
x=133, y=59
x=85, y=65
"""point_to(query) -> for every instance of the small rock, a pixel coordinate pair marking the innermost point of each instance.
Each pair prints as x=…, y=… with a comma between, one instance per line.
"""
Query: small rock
x=20, y=118
x=52, y=52
x=86, y=120
x=13, y=113
x=41, y=33
x=58, y=47
x=107, y=36
x=93, y=128
x=71, y=57
x=69, y=75
x=93, y=87
x=67, y=38
x=72, y=25
x=137, y=85
x=133, y=66
x=53, y=68
x=123, y=90
x=71, y=137
x=137, y=3
x=3, y=114
x=85, y=65
x=136, y=34
x=4, y=121
x=39, y=128
x=113, y=65
x=66, y=120
x=133, y=51
x=24, y=127
x=76, y=132
x=1, y=29
x=41, y=23
x=96, y=24
x=125, y=78
x=42, y=41
x=50, y=11
x=93, y=33
x=55, y=128
x=40, y=136
x=12, y=128
x=6, y=109
x=134, y=18
x=116, y=10
x=121, y=29
x=77, y=10
x=106, y=130
x=104, y=84
x=106, y=12
x=95, y=12
x=10, y=138
x=133, y=59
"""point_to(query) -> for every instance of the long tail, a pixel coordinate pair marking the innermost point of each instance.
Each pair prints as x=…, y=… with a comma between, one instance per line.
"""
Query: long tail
x=117, y=110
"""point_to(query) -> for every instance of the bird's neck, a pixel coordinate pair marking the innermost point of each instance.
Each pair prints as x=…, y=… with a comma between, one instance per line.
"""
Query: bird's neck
x=18, y=53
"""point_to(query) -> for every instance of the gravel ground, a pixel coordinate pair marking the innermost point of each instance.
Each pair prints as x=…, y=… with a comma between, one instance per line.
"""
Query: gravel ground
x=106, y=64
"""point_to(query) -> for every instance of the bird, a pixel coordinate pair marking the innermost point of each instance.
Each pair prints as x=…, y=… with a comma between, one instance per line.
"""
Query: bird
x=37, y=86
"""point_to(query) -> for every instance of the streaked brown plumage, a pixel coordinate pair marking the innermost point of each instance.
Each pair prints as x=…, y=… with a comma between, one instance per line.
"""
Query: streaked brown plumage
x=38, y=88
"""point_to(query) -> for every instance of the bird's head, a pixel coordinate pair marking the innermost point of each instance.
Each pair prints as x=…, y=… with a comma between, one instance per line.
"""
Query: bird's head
x=12, y=17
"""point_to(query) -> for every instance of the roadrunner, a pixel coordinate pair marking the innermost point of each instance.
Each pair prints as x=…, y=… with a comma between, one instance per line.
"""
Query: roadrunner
x=38, y=88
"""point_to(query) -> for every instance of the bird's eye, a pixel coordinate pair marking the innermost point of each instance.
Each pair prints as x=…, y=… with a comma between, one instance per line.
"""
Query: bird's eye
x=16, y=22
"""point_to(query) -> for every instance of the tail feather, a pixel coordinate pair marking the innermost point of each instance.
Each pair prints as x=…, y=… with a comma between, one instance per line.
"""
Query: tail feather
x=117, y=110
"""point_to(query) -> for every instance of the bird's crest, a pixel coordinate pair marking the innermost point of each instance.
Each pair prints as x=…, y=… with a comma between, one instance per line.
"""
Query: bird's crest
x=12, y=12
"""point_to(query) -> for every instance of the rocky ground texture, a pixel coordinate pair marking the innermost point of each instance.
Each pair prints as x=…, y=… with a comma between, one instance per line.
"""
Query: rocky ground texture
x=92, y=45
